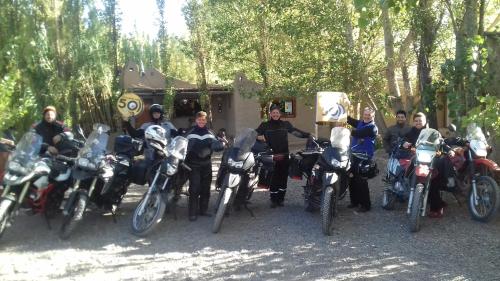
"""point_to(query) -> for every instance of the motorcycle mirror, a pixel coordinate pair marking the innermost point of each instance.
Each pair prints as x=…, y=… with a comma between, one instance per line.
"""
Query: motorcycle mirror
x=79, y=130
x=452, y=127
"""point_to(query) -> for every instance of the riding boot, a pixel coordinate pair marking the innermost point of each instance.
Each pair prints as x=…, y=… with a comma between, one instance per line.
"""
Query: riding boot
x=204, y=207
x=193, y=208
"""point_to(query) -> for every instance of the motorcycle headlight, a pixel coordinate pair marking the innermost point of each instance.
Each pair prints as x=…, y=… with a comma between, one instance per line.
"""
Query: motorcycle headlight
x=235, y=164
x=171, y=169
x=15, y=167
x=335, y=163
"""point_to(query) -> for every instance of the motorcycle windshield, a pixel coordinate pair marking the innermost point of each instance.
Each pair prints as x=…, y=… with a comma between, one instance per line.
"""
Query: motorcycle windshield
x=95, y=145
x=27, y=150
x=178, y=147
x=429, y=139
x=475, y=133
x=244, y=141
x=340, y=138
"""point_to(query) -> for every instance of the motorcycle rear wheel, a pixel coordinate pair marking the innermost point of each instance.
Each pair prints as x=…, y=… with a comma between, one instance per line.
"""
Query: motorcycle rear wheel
x=5, y=206
x=488, y=199
x=74, y=216
x=154, y=208
x=329, y=209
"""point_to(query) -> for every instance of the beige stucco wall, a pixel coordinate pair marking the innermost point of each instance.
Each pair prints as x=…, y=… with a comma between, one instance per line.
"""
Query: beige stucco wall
x=244, y=112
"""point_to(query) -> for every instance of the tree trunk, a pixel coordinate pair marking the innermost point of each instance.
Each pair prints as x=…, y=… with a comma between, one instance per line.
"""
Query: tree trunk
x=390, y=73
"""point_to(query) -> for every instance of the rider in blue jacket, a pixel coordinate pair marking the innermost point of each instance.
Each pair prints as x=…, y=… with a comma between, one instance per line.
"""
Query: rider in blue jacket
x=363, y=140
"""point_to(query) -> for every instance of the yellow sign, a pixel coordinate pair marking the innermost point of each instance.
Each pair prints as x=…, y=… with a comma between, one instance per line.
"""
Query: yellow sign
x=129, y=105
x=331, y=107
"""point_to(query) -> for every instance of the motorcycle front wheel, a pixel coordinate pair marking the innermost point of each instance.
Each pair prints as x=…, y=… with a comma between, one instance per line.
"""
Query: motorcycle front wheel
x=74, y=216
x=488, y=199
x=416, y=208
x=5, y=207
x=224, y=202
x=329, y=208
x=148, y=214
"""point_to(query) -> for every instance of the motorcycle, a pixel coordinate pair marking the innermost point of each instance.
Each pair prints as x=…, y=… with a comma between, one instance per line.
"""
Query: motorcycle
x=92, y=174
x=164, y=183
x=473, y=169
x=331, y=170
x=302, y=163
x=32, y=182
x=398, y=173
x=241, y=168
x=429, y=147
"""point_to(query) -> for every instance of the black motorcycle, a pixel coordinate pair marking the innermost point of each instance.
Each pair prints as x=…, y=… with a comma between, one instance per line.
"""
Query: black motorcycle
x=302, y=163
x=164, y=185
x=331, y=170
x=239, y=174
x=92, y=174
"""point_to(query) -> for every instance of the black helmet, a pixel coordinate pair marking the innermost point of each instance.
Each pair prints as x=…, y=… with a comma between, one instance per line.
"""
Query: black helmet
x=367, y=169
x=156, y=108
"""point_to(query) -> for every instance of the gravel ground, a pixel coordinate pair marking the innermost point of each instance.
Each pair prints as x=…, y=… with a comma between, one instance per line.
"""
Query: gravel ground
x=277, y=244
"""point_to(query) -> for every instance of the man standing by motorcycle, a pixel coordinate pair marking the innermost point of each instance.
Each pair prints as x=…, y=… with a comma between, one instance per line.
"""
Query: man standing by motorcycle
x=202, y=142
x=49, y=128
x=442, y=164
x=363, y=141
x=277, y=130
x=396, y=131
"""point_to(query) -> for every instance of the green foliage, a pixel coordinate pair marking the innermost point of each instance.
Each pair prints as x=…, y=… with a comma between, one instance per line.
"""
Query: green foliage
x=486, y=114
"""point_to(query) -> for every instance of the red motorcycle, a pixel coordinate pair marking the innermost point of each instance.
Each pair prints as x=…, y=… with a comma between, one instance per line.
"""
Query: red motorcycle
x=473, y=172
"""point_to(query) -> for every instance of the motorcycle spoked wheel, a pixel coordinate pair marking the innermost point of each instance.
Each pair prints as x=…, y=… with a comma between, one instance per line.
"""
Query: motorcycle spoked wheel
x=5, y=208
x=488, y=199
x=154, y=209
x=329, y=208
x=74, y=216
x=416, y=208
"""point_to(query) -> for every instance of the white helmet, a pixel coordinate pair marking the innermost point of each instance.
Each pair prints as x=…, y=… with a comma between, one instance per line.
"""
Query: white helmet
x=155, y=136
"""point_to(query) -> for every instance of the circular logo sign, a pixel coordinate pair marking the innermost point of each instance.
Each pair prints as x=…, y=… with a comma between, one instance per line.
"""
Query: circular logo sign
x=129, y=105
x=334, y=112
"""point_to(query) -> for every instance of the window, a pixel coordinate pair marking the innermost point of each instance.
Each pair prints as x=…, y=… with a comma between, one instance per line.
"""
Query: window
x=186, y=107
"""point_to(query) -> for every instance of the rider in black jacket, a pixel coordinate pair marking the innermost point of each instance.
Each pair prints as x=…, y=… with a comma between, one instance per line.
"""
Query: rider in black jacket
x=275, y=133
x=48, y=128
x=202, y=142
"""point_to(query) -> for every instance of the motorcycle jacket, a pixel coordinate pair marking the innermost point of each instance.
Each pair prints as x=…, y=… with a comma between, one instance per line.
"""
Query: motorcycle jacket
x=48, y=131
x=202, y=142
x=276, y=134
x=363, y=136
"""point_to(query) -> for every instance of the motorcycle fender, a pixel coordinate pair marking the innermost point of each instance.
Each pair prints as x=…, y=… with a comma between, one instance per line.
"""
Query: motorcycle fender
x=492, y=166
x=329, y=178
x=232, y=180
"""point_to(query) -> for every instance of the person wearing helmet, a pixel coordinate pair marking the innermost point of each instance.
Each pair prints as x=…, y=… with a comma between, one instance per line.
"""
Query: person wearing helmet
x=49, y=128
x=157, y=118
x=275, y=133
x=202, y=142
x=363, y=135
